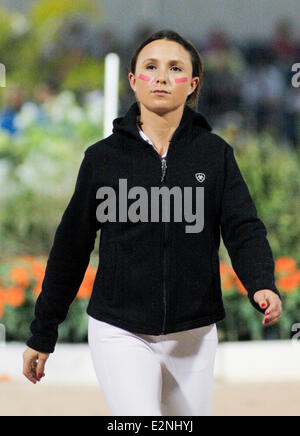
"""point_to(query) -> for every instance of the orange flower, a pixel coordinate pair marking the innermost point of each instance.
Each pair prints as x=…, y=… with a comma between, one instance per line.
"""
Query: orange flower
x=240, y=287
x=290, y=282
x=227, y=276
x=86, y=287
x=20, y=276
x=38, y=270
x=1, y=302
x=27, y=258
x=14, y=296
x=37, y=289
x=226, y=269
x=285, y=265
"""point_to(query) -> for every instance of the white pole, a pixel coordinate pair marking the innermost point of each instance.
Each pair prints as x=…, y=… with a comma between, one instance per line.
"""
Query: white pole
x=2, y=76
x=111, y=84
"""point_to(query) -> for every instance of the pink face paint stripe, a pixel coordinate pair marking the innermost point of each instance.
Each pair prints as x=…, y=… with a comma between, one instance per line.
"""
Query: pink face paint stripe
x=143, y=77
x=182, y=79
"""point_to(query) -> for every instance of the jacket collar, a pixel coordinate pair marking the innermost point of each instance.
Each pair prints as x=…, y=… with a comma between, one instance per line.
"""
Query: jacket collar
x=190, y=119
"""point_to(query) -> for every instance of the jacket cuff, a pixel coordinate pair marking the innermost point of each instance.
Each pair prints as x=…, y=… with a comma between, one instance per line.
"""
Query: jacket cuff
x=258, y=285
x=40, y=344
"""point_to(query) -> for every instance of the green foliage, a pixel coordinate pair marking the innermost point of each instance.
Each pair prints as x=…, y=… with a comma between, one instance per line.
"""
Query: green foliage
x=35, y=48
x=85, y=75
x=5, y=26
x=75, y=329
x=45, y=11
x=271, y=172
x=17, y=321
x=243, y=322
x=38, y=169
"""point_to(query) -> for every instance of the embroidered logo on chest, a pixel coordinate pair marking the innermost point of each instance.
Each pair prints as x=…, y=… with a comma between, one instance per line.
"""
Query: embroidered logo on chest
x=200, y=177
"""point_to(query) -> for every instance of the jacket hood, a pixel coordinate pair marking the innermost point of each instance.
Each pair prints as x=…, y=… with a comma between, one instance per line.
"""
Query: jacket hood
x=191, y=123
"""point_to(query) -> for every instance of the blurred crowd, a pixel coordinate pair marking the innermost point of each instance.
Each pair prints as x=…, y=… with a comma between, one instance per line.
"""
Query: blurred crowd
x=251, y=82
x=247, y=82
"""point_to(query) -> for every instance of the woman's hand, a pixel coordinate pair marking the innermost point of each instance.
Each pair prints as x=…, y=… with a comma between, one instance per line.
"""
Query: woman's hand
x=270, y=301
x=34, y=364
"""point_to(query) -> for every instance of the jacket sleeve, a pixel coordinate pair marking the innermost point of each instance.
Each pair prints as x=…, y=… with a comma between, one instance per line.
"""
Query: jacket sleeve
x=68, y=260
x=244, y=234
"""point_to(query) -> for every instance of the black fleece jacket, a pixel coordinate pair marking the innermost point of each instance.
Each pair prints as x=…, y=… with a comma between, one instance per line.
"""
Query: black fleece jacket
x=154, y=277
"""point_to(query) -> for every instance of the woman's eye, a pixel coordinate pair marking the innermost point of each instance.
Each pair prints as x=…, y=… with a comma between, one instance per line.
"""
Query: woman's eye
x=174, y=66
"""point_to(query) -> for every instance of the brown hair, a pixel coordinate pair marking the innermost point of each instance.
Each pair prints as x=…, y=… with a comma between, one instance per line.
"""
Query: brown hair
x=196, y=58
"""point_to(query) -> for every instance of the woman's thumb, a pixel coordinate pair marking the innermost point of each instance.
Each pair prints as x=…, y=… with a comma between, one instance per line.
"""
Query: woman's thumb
x=40, y=368
x=260, y=299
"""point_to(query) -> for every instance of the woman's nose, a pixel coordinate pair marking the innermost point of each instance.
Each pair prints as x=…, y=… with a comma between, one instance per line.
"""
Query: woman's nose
x=162, y=75
x=161, y=79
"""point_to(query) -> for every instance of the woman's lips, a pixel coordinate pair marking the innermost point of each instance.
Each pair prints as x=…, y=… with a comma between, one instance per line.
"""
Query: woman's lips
x=160, y=92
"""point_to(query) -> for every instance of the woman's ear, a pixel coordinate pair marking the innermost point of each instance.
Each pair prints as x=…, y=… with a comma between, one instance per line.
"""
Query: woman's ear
x=131, y=78
x=195, y=82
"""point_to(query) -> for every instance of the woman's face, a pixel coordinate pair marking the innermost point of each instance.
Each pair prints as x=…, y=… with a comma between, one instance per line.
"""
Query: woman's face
x=163, y=65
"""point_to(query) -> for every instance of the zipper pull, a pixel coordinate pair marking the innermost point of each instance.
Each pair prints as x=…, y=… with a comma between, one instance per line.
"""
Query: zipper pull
x=163, y=168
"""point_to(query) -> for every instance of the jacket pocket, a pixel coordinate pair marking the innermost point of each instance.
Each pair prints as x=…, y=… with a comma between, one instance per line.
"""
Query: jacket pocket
x=215, y=268
x=109, y=263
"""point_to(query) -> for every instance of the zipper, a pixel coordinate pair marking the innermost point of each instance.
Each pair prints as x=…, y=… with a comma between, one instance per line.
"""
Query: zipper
x=163, y=161
x=163, y=168
x=165, y=234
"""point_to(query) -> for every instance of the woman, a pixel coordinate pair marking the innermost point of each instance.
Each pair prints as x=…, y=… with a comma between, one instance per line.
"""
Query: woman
x=157, y=296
